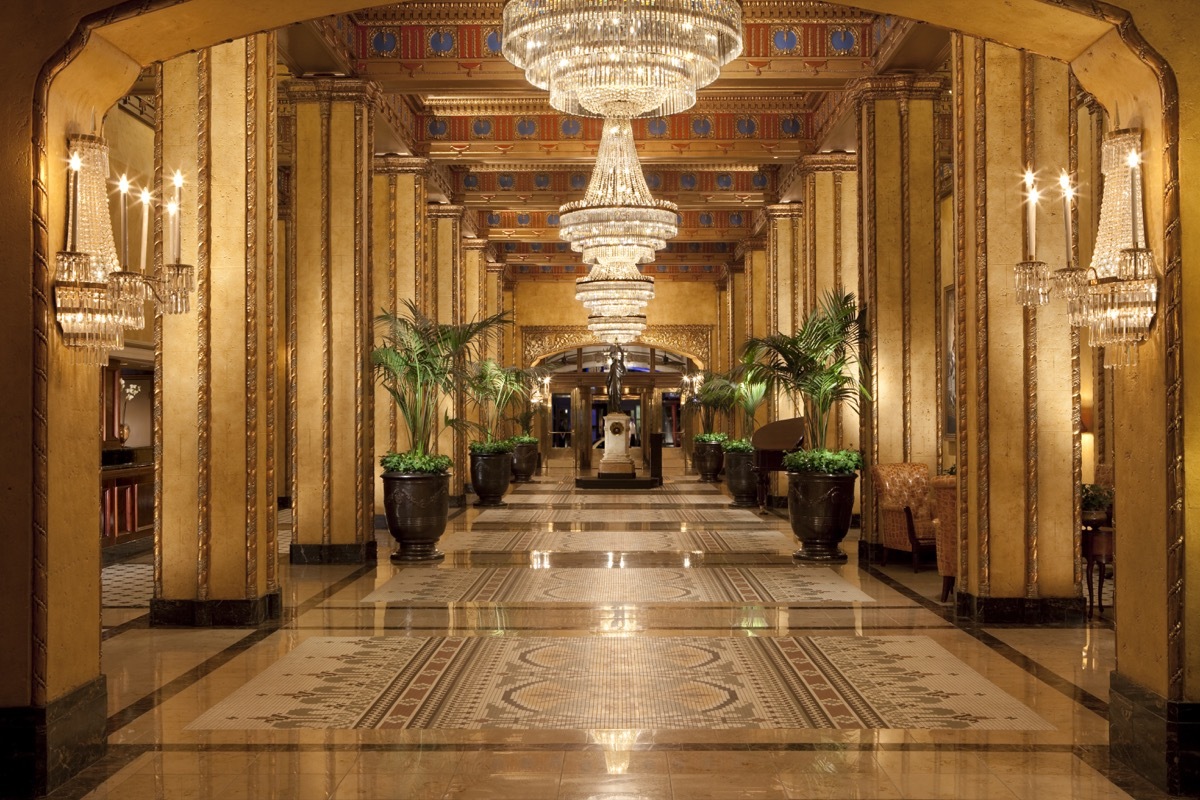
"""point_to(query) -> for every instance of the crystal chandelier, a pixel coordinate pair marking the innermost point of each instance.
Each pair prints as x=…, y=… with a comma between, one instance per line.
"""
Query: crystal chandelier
x=622, y=58
x=82, y=302
x=617, y=330
x=618, y=220
x=614, y=290
x=1119, y=305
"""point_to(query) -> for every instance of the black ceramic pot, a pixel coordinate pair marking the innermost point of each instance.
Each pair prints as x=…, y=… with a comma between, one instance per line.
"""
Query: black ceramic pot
x=819, y=509
x=491, y=475
x=524, y=461
x=416, y=506
x=708, y=457
x=741, y=479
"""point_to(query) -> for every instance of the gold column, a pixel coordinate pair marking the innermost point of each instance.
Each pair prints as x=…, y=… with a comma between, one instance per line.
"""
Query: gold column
x=493, y=291
x=1018, y=387
x=448, y=277
x=785, y=237
x=330, y=383
x=399, y=233
x=215, y=530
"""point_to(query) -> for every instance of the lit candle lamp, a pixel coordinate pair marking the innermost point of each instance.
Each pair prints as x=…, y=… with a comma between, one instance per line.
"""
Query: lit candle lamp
x=124, y=187
x=145, y=225
x=177, y=237
x=1031, y=216
x=73, y=183
x=1068, y=195
x=173, y=229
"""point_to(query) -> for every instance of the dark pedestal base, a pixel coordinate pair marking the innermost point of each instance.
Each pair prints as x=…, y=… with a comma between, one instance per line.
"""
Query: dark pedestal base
x=1021, y=610
x=216, y=613
x=44, y=747
x=1157, y=738
x=618, y=483
x=362, y=553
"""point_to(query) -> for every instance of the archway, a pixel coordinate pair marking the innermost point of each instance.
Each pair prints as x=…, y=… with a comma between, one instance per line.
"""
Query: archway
x=1099, y=40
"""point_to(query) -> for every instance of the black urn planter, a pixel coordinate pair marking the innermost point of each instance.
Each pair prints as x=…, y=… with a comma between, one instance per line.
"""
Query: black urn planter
x=708, y=457
x=524, y=461
x=417, y=506
x=819, y=509
x=491, y=474
x=741, y=479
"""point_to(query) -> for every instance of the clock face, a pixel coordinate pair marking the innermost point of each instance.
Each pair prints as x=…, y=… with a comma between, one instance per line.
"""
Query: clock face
x=616, y=428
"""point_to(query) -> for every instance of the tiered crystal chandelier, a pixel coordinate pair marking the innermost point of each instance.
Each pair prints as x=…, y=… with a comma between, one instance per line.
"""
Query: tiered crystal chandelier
x=97, y=294
x=1116, y=298
x=620, y=59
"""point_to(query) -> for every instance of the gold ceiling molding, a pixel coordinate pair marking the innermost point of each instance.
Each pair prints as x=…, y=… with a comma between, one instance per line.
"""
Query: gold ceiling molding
x=537, y=104
x=539, y=341
x=490, y=12
x=335, y=90
x=578, y=166
x=815, y=162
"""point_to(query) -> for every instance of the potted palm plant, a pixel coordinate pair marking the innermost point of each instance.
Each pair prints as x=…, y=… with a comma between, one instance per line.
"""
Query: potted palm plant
x=525, y=444
x=740, y=477
x=492, y=388
x=419, y=363
x=817, y=366
x=716, y=394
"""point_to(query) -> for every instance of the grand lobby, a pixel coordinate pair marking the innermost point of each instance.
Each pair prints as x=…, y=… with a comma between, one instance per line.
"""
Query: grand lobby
x=201, y=596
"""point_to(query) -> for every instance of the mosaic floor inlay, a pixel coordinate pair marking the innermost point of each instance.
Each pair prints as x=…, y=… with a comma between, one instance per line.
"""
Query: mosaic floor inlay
x=585, y=499
x=699, y=541
x=790, y=585
x=881, y=682
x=526, y=516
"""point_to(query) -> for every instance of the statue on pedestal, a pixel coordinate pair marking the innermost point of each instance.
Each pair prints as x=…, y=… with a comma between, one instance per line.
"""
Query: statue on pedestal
x=616, y=371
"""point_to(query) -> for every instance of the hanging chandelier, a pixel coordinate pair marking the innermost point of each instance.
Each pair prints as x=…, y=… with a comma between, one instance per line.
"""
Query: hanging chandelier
x=617, y=330
x=618, y=221
x=614, y=290
x=622, y=58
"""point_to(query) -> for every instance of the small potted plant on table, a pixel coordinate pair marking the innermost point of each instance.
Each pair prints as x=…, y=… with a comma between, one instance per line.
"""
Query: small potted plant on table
x=418, y=363
x=817, y=367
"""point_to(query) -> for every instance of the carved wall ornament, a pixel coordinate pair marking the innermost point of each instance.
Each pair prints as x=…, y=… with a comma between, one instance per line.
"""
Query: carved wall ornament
x=539, y=341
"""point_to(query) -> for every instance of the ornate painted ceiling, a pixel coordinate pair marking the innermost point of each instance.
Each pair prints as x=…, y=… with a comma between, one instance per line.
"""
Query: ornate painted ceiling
x=513, y=160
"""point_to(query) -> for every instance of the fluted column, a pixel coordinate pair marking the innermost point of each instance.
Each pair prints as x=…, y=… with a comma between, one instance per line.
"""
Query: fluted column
x=330, y=384
x=1018, y=383
x=215, y=530
x=448, y=304
x=755, y=304
x=399, y=234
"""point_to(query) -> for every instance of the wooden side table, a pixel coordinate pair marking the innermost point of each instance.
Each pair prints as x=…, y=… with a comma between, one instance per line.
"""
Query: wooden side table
x=1099, y=546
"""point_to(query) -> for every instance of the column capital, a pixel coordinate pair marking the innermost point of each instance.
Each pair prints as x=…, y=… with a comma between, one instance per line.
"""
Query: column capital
x=747, y=246
x=896, y=87
x=333, y=90
x=396, y=164
x=784, y=210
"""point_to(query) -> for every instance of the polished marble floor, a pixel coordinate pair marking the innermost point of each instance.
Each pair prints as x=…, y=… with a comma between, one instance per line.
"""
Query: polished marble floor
x=605, y=646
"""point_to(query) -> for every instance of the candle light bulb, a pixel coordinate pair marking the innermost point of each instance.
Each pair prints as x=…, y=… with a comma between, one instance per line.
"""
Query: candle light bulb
x=76, y=162
x=1064, y=181
x=1034, y=196
x=172, y=208
x=123, y=185
x=1134, y=160
x=1029, y=179
x=145, y=197
x=178, y=179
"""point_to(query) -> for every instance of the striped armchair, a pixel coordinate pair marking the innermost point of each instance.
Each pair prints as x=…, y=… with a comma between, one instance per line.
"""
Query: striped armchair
x=945, y=529
x=905, y=519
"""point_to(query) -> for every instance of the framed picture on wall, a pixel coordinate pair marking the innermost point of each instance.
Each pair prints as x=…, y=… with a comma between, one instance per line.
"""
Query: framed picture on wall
x=949, y=362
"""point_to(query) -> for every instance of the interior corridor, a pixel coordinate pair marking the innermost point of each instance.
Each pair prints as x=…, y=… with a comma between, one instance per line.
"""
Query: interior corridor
x=586, y=644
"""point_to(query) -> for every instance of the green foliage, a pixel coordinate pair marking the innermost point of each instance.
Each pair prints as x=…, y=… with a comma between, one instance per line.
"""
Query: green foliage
x=750, y=394
x=492, y=388
x=425, y=463
x=491, y=447
x=825, y=462
x=1096, y=497
x=737, y=446
x=715, y=394
x=419, y=361
x=816, y=365
x=710, y=438
x=522, y=439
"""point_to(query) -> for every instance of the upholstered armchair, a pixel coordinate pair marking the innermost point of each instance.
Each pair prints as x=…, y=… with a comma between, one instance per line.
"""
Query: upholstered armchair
x=945, y=529
x=899, y=487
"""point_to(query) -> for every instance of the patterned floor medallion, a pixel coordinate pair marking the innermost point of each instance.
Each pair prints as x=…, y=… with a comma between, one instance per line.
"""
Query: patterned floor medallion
x=883, y=682
x=672, y=516
x=697, y=541
x=773, y=585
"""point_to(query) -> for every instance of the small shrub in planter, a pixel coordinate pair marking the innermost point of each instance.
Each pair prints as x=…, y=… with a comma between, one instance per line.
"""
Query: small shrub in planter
x=708, y=455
